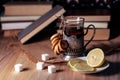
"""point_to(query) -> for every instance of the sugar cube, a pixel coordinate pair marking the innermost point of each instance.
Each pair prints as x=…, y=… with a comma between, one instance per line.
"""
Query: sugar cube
x=39, y=65
x=45, y=57
x=51, y=69
x=18, y=67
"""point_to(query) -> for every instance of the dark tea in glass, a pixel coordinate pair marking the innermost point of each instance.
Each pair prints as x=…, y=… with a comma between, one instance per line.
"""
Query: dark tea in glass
x=73, y=33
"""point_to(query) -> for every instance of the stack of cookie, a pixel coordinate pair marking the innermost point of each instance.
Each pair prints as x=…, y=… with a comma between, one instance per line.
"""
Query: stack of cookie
x=59, y=45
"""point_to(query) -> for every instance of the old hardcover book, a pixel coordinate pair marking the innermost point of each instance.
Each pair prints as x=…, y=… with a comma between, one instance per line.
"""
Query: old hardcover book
x=97, y=24
x=101, y=34
x=15, y=25
x=40, y=23
x=19, y=18
x=89, y=17
x=27, y=9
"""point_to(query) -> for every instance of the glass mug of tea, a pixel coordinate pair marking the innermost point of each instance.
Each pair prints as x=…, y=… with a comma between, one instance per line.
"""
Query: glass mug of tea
x=73, y=33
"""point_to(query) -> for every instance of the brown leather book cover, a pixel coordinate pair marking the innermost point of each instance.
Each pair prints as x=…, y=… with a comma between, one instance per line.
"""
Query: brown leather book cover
x=40, y=24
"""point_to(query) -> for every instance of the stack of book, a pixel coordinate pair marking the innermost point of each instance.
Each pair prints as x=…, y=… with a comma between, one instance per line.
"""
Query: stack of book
x=17, y=23
x=18, y=16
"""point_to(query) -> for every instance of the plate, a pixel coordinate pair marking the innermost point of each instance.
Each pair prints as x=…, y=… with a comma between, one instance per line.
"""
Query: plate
x=99, y=69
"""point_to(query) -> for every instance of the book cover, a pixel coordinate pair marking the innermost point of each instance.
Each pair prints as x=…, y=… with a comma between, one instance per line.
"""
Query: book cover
x=40, y=24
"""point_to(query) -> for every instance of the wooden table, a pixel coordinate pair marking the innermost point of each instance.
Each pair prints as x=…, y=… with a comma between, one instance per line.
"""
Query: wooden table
x=13, y=52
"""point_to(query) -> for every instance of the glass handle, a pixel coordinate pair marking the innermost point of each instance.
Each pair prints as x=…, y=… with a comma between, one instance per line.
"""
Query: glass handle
x=94, y=29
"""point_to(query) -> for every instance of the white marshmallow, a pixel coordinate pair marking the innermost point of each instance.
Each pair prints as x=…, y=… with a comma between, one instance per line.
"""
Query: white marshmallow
x=45, y=57
x=18, y=67
x=51, y=69
x=39, y=65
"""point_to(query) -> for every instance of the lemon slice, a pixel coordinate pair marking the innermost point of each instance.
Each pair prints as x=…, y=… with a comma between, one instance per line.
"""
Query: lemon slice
x=79, y=65
x=95, y=57
x=70, y=66
x=72, y=62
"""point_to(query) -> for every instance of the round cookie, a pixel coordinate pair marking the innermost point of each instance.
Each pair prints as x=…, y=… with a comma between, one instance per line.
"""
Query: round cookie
x=57, y=35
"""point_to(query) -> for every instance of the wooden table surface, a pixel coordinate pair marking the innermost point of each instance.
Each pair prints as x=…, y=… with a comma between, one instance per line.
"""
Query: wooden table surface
x=13, y=52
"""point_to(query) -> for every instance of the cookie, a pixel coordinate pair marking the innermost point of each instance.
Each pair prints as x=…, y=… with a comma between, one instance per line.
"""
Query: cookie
x=56, y=35
x=54, y=43
x=60, y=47
x=56, y=39
x=56, y=50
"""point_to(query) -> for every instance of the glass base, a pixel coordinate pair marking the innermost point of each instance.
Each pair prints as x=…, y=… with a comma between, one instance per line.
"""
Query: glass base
x=68, y=57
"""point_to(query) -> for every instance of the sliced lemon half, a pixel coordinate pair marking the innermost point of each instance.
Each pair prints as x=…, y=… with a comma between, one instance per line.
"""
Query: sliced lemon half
x=95, y=57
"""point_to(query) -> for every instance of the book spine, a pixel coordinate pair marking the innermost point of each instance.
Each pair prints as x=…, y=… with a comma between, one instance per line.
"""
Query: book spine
x=101, y=34
x=97, y=24
x=15, y=25
x=29, y=9
x=92, y=17
x=18, y=18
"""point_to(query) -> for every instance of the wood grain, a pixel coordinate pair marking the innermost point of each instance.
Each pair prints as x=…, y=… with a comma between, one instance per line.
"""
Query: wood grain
x=13, y=52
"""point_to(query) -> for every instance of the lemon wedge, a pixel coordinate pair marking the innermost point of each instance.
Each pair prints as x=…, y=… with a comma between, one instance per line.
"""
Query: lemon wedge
x=95, y=57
